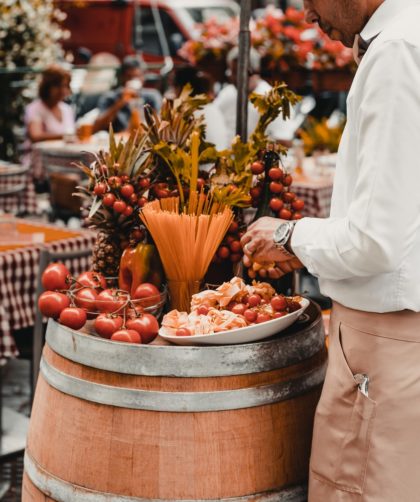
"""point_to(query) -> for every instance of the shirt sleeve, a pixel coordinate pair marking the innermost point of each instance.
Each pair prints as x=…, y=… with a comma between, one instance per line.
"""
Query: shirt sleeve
x=384, y=215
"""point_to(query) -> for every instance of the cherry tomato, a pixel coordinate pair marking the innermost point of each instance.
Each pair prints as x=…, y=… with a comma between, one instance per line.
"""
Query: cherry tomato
x=276, y=204
x=137, y=234
x=223, y=252
x=109, y=199
x=144, y=182
x=235, y=257
x=92, y=280
x=298, y=204
x=255, y=192
x=275, y=173
x=279, y=303
x=106, y=325
x=114, y=181
x=99, y=189
x=292, y=306
x=257, y=167
x=203, y=310
x=183, y=332
x=128, y=211
x=233, y=228
x=289, y=196
x=133, y=199
x=52, y=303
x=148, y=293
x=56, y=276
x=73, y=317
x=276, y=187
x=254, y=300
x=124, y=178
x=119, y=206
x=297, y=216
x=285, y=214
x=239, y=309
x=85, y=299
x=146, y=325
x=126, y=335
x=277, y=315
x=263, y=318
x=250, y=315
x=287, y=180
x=142, y=201
x=127, y=190
x=235, y=247
x=111, y=300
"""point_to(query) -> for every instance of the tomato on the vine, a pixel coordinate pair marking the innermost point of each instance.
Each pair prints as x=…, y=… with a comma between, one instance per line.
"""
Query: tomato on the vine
x=285, y=214
x=276, y=204
x=52, y=303
x=91, y=279
x=257, y=167
x=73, y=317
x=119, y=206
x=276, y=187
x=56, y=276
x=127, y=190
x=106, y=325
x=146, y=325
x=109, y=199
x=126, y=335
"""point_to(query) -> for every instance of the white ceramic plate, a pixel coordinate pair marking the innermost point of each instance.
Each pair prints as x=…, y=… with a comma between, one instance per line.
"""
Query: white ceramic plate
x=242, y=335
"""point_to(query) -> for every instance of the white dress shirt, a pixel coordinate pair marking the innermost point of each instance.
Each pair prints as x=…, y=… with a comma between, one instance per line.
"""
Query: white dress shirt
x=226, y=101
x=367, y=254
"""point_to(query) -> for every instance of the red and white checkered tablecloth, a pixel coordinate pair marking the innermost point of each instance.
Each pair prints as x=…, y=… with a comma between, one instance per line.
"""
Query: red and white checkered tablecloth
x=23, y=202
x=317, y=199
x=18, y=278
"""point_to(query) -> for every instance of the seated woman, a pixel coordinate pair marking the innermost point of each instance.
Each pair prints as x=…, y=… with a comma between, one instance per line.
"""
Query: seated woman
x=49, y=117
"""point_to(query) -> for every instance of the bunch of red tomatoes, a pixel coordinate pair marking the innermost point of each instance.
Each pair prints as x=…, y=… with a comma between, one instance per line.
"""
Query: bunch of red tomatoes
x=116, y=315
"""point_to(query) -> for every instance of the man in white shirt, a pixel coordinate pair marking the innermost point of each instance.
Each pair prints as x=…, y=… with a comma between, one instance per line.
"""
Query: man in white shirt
x=367, y=257
x=226, y=100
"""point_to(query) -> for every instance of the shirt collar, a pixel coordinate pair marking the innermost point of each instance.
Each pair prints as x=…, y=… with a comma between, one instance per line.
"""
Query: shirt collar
x=383, y=15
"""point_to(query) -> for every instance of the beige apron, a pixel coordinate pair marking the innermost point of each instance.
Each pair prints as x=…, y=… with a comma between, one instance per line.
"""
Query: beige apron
x=366, y=444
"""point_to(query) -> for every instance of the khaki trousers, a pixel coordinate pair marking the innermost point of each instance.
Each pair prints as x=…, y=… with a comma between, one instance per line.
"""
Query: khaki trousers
x=366, y=448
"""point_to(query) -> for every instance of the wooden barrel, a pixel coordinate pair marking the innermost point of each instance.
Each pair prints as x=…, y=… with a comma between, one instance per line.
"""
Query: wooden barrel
x=113, y=422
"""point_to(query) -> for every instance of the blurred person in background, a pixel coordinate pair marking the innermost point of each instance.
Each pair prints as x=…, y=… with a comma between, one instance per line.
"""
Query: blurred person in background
x=227, y=98
x=201, y=83
x=49, y=117
x=119, y=105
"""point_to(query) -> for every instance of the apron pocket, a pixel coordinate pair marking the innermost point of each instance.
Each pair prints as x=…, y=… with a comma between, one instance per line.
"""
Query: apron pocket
x=343, y=425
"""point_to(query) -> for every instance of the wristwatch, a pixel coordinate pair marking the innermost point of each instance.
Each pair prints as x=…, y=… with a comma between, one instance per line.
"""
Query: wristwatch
x=283, y=233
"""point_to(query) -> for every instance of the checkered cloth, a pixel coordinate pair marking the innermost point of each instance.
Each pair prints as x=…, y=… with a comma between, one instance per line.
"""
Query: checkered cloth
x=317, y=199
x=22, y=202
x=18, y=280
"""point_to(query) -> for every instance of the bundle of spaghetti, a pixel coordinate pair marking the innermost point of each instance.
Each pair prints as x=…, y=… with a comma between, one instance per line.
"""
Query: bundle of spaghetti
x=187, y=239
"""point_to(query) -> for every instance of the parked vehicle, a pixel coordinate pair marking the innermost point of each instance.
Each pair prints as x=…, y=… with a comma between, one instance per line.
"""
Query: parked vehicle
x=157, y=28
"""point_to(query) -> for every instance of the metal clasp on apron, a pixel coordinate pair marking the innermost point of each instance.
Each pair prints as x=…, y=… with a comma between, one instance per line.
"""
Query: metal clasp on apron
x=362, y=381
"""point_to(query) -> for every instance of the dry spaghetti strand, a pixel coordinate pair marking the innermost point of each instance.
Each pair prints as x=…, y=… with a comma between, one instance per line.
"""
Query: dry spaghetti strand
x=186, y=241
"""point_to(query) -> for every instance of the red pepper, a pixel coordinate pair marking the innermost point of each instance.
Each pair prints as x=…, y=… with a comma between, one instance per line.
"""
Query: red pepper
x=138, y=265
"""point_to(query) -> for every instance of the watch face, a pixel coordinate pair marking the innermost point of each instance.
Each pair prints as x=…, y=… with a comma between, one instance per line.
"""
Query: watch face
x=281, y=233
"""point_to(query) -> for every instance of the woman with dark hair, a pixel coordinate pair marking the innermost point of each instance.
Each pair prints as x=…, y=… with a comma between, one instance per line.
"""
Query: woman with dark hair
x=49, y=117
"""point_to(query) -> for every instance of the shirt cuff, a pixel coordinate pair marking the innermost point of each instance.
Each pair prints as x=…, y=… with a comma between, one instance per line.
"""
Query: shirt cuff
x=304, y=234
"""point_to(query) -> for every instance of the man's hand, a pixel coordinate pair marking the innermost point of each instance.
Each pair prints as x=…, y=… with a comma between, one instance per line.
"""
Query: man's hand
x=258, y=242
x=274, y=270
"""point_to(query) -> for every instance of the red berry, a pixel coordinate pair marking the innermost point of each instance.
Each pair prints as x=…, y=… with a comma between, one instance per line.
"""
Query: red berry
x=275, y=173
x=276, y=187
x=257, y=167
x=127, y=191
x=119, y=206
x=109, y=199
x=276, y=204
x=99, y=189
x=298, y=204
x=285, y=214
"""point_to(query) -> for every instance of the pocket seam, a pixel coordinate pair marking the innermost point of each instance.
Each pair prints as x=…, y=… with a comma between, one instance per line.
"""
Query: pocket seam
x=337, y=486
